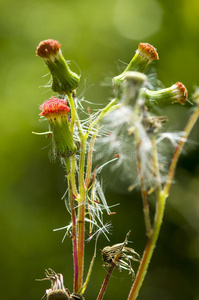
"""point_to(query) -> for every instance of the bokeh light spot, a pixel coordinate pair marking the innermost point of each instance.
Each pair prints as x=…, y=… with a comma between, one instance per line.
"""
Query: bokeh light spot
x=137, y=19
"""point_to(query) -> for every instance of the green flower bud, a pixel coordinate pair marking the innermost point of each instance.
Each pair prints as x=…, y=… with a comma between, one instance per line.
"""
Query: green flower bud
x=64, y=81
x=176, y=93
x=56, y=111
x=144, y=55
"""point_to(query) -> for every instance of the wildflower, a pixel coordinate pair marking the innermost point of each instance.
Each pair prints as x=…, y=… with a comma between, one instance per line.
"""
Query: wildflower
x=56, y=111
x=144, y=55
x=176, y=93
x=64, y=81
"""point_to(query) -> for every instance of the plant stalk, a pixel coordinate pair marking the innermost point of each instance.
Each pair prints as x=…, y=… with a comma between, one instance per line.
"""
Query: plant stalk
x=160, y=204
x=148, y=252
x=81, y=212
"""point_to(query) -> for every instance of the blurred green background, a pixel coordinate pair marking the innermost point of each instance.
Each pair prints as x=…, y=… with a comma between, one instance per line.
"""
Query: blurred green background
x=94, y=35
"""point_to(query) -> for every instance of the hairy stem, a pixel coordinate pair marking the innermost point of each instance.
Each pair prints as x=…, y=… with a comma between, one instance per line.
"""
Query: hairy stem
x=81, y=212
x=146, y=209
x=74, y=116
x=111, y=106
x=192, y=120
x=160, y=204
x=148, y=252
x=96, y=125
x=74, y=226
x=108, y=276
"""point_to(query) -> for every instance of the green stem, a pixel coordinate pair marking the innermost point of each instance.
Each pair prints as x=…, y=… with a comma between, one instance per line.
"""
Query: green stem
x=192, y=120
x=81, y=211
x=148, y=252
x=146, y=209
x=89, y=160
x=74, y=226
x=74, y=116
x=160, y=204
x=96, y=123
x=111, y=106
x=73, y=168
x=84, y=286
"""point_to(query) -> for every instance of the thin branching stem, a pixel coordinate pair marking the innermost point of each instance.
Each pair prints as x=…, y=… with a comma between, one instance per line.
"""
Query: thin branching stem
x=159, y=213
x=74, y=226
x=84, y=286
x=81, y=211
x=148, y=249
x=192, y=120
x=111, y=106
x=96, y=126
x=73, y=173
x=146, y=208
x=74, y=117
x=107, y=278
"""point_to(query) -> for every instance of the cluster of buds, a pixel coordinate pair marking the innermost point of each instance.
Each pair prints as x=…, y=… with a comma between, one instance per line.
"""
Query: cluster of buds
x=64, y=81
x=56, y=111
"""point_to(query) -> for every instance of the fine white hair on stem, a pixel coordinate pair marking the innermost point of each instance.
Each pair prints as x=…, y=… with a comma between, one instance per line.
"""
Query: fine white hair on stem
x=105, y=229
x=173, y=137
x=68, y=229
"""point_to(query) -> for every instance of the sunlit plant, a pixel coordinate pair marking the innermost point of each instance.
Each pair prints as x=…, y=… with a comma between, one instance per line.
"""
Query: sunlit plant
x=130, y=133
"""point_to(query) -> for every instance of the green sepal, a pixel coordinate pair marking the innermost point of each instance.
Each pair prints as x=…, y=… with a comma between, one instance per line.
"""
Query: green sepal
x=64, y=81
x=62, y=137
x=161, y=97
x=137, y=64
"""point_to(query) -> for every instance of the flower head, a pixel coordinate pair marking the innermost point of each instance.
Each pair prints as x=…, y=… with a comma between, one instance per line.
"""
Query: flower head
x=176, y=93
x=56, y=111
x=54, y=108
x=179, y=92
x=147, y=52
x=48, y=49
x=144, y=55
x=57, y=290
x=120, y=255
x=64, y=81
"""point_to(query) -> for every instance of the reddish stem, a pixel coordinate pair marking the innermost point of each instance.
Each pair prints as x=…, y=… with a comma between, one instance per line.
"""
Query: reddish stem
x=74, y=239
x=106, y=281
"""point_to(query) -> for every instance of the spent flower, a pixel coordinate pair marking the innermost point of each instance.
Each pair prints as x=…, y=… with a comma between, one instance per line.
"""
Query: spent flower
x=57, y=290
x=64, y=81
